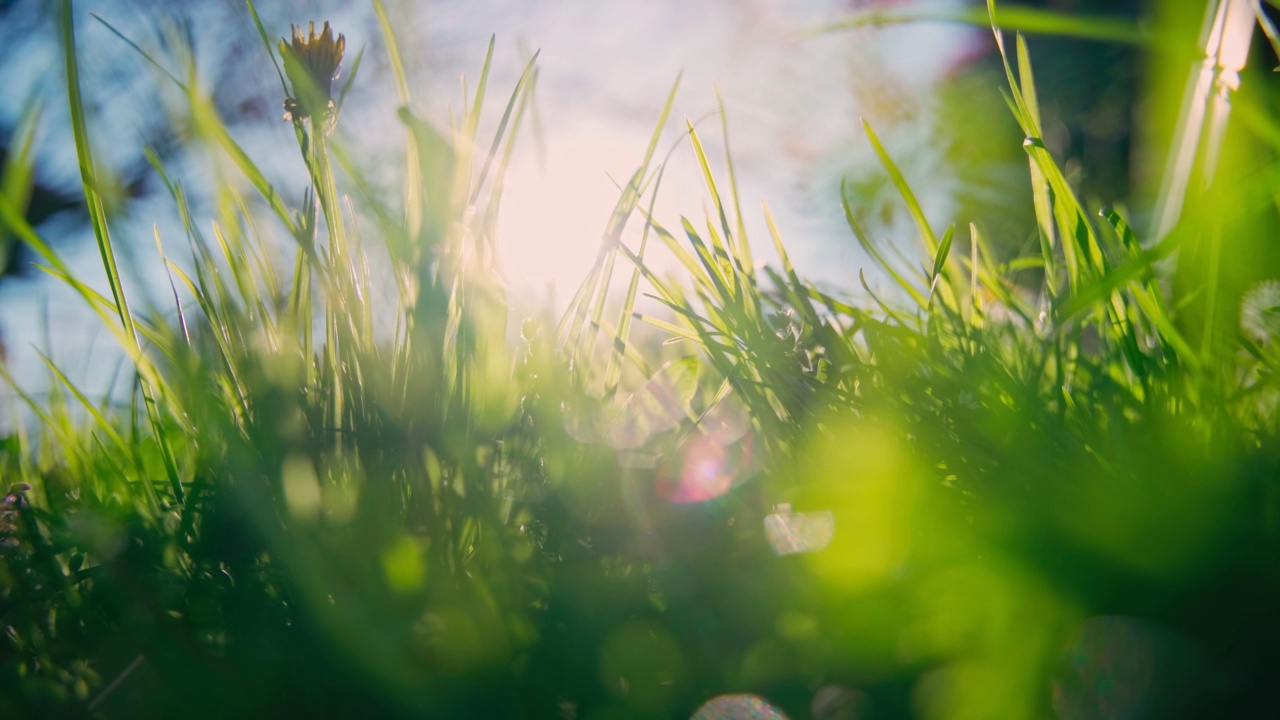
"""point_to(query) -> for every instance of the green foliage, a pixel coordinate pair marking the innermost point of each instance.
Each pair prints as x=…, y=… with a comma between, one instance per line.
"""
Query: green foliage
x=322, y=501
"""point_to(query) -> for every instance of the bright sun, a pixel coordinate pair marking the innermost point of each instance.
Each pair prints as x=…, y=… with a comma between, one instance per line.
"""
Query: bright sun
x=554, y=212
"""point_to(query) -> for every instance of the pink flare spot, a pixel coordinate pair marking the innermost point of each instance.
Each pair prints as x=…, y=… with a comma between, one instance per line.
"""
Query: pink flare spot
x=709, y=468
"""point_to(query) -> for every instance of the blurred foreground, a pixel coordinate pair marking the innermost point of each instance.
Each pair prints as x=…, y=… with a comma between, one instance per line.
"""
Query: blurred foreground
x=340, y=485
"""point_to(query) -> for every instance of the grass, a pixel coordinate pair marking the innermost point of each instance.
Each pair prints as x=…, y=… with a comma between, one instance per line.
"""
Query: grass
x=1051, y=479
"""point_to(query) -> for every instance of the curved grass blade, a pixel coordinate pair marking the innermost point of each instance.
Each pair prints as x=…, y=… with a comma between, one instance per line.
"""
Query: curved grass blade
x=266, y=42
x=904, y=189
x=743, y=248
x=940, y=261
x=98, y=219
x=870, y=249
x=517, y=95
x=1014, y=18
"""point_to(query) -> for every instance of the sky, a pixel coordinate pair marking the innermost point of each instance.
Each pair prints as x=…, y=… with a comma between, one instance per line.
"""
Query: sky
x=793, y=101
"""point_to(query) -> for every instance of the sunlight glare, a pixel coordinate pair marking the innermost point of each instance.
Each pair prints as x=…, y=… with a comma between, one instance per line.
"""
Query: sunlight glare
x=555, y=209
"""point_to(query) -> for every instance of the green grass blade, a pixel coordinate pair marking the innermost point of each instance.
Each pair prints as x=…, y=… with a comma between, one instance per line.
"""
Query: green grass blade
x=743, y=247
x=17, y=176
x=413, y=168
x=266, y=42
x=613, y=372
x=98, y=219
x=211, y=124
x=904, y=189
x=88, y=175
x=579, y=311
x=94, y=412
x=975, y=297
x=1032, y=20
x=522, y=87
x=473, y=116
x=716, y=200
x=711, y=269
x=870, y=249
x=145, y=55
x=794, y=288
x=349, y=83
x=940, y=261
x=168, y=273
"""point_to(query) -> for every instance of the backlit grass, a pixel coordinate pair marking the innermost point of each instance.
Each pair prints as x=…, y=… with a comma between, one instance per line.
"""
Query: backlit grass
x=1004, y=488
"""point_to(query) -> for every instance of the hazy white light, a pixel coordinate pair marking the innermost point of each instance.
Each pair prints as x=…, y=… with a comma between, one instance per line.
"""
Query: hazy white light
x=555, y=208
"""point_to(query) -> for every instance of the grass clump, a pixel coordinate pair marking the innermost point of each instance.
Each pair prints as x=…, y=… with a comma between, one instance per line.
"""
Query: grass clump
x=981, y=495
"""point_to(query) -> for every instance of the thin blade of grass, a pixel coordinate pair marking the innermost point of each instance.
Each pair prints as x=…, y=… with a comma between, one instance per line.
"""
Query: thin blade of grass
x=413, y=169
x=743, y=247
x=709, y=179
x=177, y=303
x=940, y=261
x=522, y=86
x=1016, y=18
x=904, y=189
x=266, y=42
x=94, y=412
x=98, y=219
x=864, y=240
x=17, y=177
x=145, y=55
x=613, y=372
x=627, y=202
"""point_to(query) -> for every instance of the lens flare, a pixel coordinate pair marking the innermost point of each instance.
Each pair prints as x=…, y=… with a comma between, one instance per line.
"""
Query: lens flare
x=718, y=455
x=708, y=467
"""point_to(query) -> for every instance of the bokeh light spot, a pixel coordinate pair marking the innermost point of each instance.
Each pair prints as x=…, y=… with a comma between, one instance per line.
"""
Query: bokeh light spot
x=707, y=469
x=868, y=481
x=718, y=455
x=301, y=488
x=790, y=533
x=738, y=707
x=833, y=702
x=404, y=566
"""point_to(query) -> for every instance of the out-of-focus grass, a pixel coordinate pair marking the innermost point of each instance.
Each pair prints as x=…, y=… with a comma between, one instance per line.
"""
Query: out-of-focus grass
x=969, y=497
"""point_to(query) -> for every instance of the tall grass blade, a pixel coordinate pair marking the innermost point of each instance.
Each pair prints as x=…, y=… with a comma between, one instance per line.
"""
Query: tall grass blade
x=522, y=88
x=266, y=42
x=98, y=219
x=145, y=55
x=613, y=372
x=904, y=189
x=17, y=176
x=743, y=247
x=870, y=249
x=596, y=283
x=940, y=261
x=413, y=209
